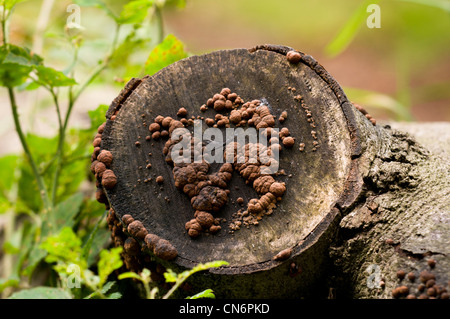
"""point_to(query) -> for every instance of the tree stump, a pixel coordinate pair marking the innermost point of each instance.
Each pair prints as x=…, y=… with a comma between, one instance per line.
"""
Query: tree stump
x=328, y=169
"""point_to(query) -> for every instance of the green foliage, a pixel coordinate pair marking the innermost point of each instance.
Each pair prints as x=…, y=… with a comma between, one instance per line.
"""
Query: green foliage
x=178, y=279
x=166, y=53
x=348, y=32
x=134, y=12
x=172, y=277
x=41, y=293
x=416, y=31
x=51, y=222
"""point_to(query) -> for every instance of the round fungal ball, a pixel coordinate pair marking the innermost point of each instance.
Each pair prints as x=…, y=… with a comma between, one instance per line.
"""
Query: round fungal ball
x=288, y=142
x=293, y=57
x=137, y=229
x=277, y=189
x=205, y=219
x=164, y=250
x=105, y=157
x=154, y=127
x=182, y=112
x=109, y=179
x=151, y=241
x=160, y=179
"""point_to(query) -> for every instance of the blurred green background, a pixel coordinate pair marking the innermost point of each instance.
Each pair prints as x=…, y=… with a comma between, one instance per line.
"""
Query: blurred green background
x=400, y=71
x=407, y=59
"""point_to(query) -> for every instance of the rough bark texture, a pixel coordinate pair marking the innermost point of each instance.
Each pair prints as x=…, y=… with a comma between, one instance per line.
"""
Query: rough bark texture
x=402, y=218
x=370, y=200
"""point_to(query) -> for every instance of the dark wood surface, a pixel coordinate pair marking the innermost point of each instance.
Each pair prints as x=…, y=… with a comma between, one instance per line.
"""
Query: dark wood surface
x=315, y=180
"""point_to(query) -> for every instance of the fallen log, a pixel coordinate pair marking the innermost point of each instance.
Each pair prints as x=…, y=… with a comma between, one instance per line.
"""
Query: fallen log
x=342, y=185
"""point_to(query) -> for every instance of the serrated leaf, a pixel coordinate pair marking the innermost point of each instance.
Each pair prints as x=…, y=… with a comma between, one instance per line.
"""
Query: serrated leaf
x=110, y=260
x=170, y=276
x=41, y=293
x=164, y=54
x=107, y=286
x=66, y=246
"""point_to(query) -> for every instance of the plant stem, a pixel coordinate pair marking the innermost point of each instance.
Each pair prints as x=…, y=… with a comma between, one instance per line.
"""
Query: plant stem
x=59, y=152
x=73, y=97
x=38, y=177
x=4, y=31
x=160, y=23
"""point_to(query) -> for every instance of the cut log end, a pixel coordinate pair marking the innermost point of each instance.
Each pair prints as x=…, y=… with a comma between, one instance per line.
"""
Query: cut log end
x=257, y=218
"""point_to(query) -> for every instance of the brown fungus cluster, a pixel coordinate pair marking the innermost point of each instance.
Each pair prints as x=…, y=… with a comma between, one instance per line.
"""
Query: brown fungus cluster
x=134, y=248
x=428, y=288
x=128, y=233
x=209, y=191
x=101, y=161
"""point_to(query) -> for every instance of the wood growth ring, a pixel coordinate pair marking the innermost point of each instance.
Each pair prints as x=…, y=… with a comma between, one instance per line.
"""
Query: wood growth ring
x=317, y=166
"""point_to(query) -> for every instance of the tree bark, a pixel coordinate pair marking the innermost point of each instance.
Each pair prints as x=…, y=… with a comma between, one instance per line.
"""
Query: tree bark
x=358, y=196
x=401, y=220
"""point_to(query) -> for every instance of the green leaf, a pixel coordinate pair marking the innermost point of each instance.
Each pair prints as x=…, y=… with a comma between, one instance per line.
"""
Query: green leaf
x=110, y=260
x=107, y=287
x=134, y=11
x=97, y=116
x=66, y=246
x=64, y=213
x=208, y=293
x=9, y=4
x=53, y=78
x=35, y=256
x=377, y=100
x=170, y=276
x=12, y=281
x=13, y=54
x=12, y=244
x=115, y=295
x=8, y=166
x=211, y=264
x=41, y=293
x=439, y=4
x=88, y=245
x=16, y=63
x=129, y=274
x=177, y=3
x=164, y=54
x=131, y=44
x=345, y=36
x=42, y=149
